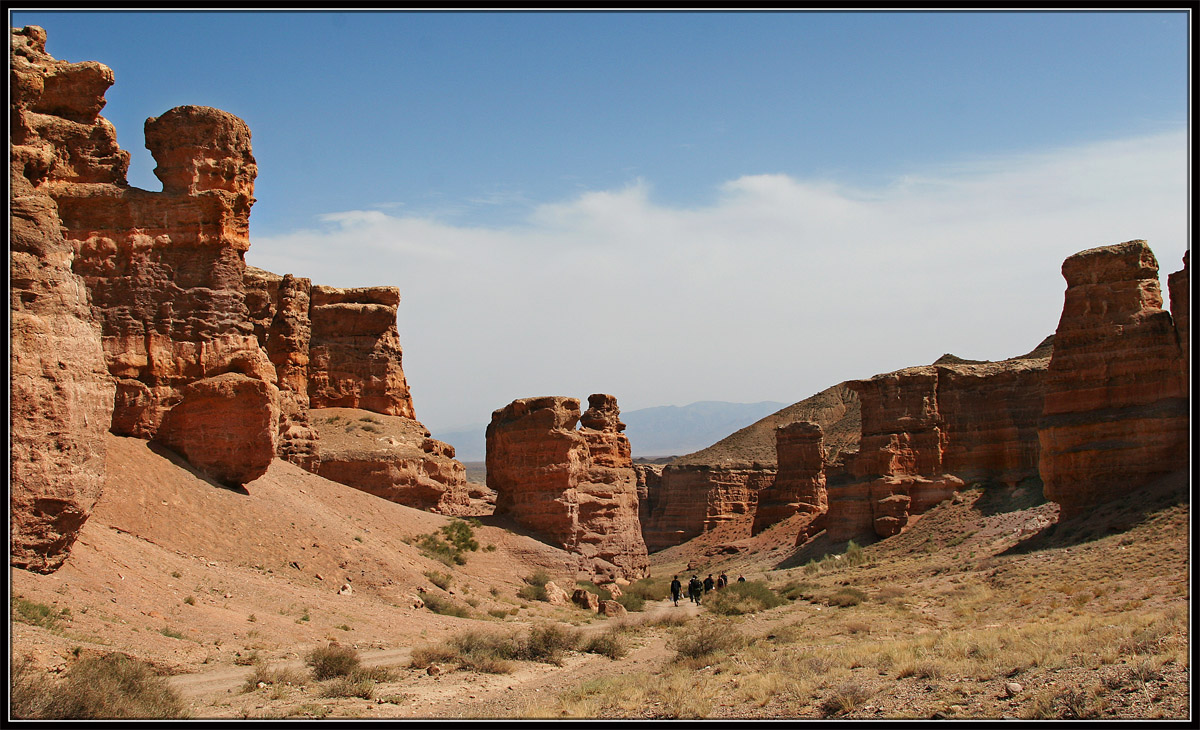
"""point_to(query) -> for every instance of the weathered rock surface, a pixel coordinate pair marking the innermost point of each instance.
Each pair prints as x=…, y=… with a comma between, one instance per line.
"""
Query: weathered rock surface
x=354, y=353
x=1179, y=285
x=718, y=487
x=124, y=299
x=649, y=484
x=799, y=484
x=576, y=487
x=61, y=397
x=225, y=426
x=1116, y=404
x=928, y=431
x=391, y=457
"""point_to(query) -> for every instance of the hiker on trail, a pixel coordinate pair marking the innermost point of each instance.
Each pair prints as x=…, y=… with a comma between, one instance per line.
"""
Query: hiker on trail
x=676, y=588
x=720, y=582
x=708, y=583
x=741, y=579
x=694, y=590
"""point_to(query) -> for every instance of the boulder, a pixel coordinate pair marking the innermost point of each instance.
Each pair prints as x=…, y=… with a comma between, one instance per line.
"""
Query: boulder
x=224, y=426
x=556, y=596
x=611, y=609
x=585, y=599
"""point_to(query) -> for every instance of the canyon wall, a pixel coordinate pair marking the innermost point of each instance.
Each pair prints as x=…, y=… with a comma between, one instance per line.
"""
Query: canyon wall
x=576, y=487
x=799, y=484
x=61, y=396
x=1116, y=405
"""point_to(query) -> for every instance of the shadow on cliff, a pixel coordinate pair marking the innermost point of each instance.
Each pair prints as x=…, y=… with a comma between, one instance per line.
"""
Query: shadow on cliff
x=1117, y=516
x=818, y=547
x=182, y=463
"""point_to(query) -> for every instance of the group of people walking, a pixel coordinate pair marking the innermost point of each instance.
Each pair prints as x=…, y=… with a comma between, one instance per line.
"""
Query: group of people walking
x=697, y=588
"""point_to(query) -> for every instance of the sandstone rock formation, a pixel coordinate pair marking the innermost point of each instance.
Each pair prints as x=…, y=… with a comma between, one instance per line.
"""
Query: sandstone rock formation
x=1116, y=404
x=930, y=430
x=225, y=426
x=131, y=307
x=719, y=486
x=391, y=457
x=576, y=487
x=649, y=484
x=799, y=484
x=1179, y=285
x=61, y=397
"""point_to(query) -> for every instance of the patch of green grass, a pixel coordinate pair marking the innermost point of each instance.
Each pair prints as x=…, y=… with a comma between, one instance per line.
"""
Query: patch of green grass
x=445, y=606
x=37, y=614
x=168, y=631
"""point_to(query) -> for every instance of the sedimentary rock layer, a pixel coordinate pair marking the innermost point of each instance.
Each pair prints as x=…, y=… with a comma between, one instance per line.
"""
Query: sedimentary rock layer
x=799, y=484
x=1116, y=408
x=61, y=397
x=576, y=487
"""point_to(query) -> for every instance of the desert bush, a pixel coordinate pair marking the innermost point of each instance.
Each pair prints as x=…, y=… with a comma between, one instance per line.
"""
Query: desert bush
x=608, y=644
x=445, y=606
x=668, y=619
x=843, y=597
x=547, y=642
x=632, y=601
x=535, y=586
x=498, y=612
x=740, y=598
x=332, y=661
x=29, y=690
x=705, y=640
x=348, y=687
x=439, y=579
x=844, y=698
x=271, y=677
x=112, y=686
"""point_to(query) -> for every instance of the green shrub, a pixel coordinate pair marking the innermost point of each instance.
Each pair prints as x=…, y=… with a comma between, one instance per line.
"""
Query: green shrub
x=741, y=598
x=796, y=589
x=632, y=601
x=535, y=586
x=112, y=686
x=38, y=614
x=853, y=555
x=547, y=642
x=332, y=661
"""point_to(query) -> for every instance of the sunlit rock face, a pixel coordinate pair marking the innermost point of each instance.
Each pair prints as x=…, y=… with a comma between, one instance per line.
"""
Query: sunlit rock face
x=575, y=486
x=799, y=484
x=1116, y=405
x=61, y=397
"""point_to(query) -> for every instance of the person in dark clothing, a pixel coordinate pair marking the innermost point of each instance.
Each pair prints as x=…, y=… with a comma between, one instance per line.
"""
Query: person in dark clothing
x=708, y=583
x=676, y=589
x=694, y=587
x=741, y=579
x=722, y=581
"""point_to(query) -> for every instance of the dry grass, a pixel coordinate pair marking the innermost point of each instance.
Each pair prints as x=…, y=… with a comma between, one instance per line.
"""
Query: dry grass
x=112, y=686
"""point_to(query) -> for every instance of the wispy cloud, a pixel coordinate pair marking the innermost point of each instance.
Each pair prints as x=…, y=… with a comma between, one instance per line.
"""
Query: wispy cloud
x=778, y=289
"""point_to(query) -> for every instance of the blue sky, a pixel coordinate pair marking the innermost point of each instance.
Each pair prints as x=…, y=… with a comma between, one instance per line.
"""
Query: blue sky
x=674, y=207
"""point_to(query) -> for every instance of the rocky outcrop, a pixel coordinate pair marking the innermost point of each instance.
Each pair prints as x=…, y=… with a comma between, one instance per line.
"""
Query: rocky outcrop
x=133, y=311
x=391, y=457
x=225, y=426
x=719, y=487
x=649, y=485
x=799, y=484
x=1116, y=404
x=354, y=354
x=930, y=430
x=1179, y=285
x=576, y=487
x=61, y=396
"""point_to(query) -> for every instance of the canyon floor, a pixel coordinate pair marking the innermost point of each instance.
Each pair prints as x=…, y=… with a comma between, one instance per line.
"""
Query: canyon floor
x=986, y=607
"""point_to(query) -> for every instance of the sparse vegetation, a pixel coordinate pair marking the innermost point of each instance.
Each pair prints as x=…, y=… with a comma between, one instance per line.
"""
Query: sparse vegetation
x=107, y=687
x=332, y=661
x=739, y=598
x=535, y=586
x=706, y=639
x=450, y=543
x=445, y=606
x=37, y=614
x=441, y=580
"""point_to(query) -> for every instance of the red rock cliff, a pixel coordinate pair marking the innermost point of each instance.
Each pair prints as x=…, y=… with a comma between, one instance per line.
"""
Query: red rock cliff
x=799, y=484
x=1116, y=405
x=576, y=487
x=61, y=397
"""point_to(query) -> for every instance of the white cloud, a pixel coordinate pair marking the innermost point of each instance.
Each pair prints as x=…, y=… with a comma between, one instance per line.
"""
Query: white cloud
x=779, y=289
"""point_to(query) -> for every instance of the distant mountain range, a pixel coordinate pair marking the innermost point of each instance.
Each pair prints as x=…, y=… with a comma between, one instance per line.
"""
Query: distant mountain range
x=658, y=431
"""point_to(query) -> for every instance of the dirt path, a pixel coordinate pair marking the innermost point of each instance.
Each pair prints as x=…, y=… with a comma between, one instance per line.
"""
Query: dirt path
x=414, y=693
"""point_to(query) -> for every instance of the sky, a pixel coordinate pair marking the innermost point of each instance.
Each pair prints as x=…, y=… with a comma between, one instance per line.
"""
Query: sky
x=682, y=206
